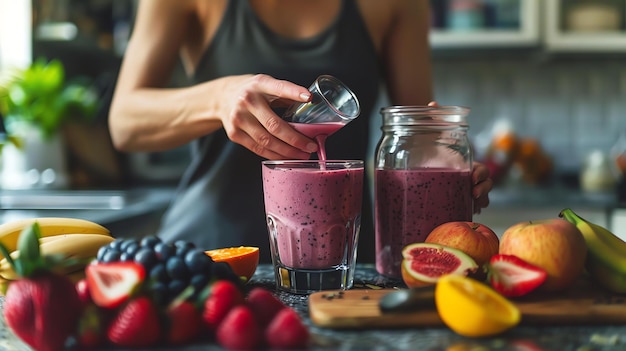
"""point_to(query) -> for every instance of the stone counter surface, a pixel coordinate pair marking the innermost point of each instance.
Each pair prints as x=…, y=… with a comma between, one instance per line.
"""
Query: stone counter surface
x=522, y=338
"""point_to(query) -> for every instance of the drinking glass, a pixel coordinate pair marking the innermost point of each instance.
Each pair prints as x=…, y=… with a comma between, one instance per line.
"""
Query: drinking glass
x=313, y=212
x=331, y=102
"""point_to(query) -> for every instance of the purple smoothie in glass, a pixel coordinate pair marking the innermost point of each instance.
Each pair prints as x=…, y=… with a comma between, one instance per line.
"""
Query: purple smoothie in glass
x=411, y=203
x=313, y=214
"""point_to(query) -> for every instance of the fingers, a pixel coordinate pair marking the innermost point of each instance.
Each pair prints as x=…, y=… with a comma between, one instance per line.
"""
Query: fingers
x=482, y=186
x=433, y=104
x=254, y=125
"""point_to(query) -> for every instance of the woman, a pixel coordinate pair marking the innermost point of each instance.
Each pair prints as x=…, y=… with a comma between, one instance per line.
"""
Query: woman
x=244, y=58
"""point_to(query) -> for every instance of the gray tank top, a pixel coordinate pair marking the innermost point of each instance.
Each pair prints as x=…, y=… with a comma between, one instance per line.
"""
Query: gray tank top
x=220, y=197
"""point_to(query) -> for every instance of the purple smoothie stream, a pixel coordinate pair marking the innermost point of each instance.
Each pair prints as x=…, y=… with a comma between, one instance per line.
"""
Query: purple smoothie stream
x=313, y=214
x=319, y=132
x=409, y=204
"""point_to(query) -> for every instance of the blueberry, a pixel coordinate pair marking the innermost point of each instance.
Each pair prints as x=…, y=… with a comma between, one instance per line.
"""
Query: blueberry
x=199, y=281
x=159, y=273
x=182, y=247
x=164, y=251
x=222, y=270
x=176, y=268
x=125, y=257
x=132, y=248
x=175, y=287
x=101, y=252
x=160, y=292
x=149, y=241
x=128, y=242
x=111, y=255
x=197, y=261
x=146, y=257
x=116, y=244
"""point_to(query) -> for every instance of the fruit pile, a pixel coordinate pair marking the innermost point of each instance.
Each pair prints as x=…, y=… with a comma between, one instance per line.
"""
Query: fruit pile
x=117, y=311
x=169, y=267
x=127, y=297
x=546, y=255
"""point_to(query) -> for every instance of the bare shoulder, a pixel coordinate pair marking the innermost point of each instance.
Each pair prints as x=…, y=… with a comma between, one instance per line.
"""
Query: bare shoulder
x=381, y=16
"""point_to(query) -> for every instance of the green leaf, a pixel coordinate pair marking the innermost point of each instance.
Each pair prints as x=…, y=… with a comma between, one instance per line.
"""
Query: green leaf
x=30, y=255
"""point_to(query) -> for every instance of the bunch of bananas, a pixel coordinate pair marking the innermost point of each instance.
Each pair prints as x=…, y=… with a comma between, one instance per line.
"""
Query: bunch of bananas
x=606, y=253
x=71, y=237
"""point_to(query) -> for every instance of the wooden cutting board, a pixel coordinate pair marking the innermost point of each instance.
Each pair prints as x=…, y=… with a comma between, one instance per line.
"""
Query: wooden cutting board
x=358, y=308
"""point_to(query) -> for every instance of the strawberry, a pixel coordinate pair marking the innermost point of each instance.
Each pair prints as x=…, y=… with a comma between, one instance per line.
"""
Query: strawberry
x=287, y=331
x=224, y=295
x=184, y=322
x=32, y=306
x=136, y=324
x=264, y=305
x=82, y=288
x=110, y=284
x=512, y=277
x=239, y=330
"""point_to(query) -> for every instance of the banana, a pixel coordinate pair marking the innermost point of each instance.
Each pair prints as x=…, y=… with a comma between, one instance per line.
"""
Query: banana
x=82, y=247
x=49, y=226
x=606, y=253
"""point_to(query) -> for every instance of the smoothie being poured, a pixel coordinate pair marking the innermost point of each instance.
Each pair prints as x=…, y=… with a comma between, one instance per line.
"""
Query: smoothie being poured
x=319, y=132
x=332, y=106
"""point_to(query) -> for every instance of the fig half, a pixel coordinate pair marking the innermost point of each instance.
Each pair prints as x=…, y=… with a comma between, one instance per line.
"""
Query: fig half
x=424, y=263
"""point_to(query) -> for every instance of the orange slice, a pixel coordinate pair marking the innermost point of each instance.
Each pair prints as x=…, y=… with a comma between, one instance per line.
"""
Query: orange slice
x=473, y=309
x=243, y=259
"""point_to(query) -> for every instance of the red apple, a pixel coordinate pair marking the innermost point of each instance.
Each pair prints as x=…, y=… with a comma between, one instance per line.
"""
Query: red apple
x=555, y=245
x=476, y=240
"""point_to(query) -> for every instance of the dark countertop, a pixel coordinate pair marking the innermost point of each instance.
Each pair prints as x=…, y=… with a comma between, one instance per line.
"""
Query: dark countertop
x=521, y=338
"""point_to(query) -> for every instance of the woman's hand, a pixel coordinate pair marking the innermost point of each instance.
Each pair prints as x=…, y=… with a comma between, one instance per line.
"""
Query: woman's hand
x=251, y=122
x=482, y=186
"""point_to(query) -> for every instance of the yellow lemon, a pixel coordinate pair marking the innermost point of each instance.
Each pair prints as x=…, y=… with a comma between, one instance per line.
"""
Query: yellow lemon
x=473, y=309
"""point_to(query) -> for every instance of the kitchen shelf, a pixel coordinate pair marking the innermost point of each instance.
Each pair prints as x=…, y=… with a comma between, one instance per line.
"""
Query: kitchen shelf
x=527, y=35
x=558, y=40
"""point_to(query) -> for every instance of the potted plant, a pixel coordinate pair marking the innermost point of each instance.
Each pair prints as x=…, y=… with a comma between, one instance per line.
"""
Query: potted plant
x=36, y=102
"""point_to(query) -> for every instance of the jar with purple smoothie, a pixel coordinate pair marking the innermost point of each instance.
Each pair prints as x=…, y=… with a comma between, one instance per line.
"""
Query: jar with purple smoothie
x=422, y=177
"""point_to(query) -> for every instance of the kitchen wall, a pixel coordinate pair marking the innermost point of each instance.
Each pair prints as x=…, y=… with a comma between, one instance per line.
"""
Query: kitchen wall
x=570, y=105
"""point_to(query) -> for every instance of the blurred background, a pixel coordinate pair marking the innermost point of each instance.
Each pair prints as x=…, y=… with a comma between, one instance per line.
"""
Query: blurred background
x=545, y=81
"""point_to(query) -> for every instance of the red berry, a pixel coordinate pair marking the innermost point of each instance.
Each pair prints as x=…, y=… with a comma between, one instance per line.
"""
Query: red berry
x=512, y=276
x=223, y=297
x=264, y=305
x=184, y=322
x=82, y=288
x=136, y=324
x=287, y=331
x=110, y=284
x=239, y=330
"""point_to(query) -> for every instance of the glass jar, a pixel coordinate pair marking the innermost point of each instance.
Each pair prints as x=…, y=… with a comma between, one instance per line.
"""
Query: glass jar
x=422, y=177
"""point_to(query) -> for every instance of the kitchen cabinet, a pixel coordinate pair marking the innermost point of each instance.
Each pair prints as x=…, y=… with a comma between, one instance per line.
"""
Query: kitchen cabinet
x=585, y=26
x=555, y=26
x=525, y=33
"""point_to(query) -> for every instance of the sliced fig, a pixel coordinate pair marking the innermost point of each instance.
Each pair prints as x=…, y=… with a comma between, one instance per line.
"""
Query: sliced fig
x=424, y=263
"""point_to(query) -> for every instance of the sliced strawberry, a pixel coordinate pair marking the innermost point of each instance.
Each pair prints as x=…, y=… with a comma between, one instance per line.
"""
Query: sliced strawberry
x=287, y=331
x=110, y=284
x=512, y=277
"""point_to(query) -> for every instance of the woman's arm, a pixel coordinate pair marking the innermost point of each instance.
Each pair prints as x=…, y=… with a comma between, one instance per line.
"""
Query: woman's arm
x=147, y=117
x=406, y=54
